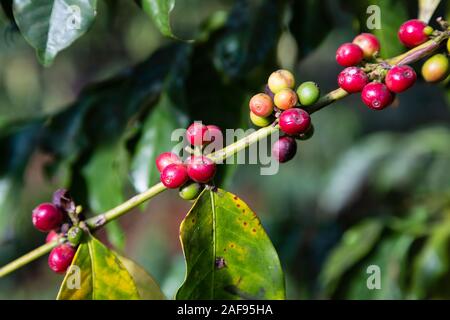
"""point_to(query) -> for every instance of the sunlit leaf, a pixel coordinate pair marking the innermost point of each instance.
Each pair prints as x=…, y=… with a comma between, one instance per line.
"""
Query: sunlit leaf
x=228, y=254
x=159, y=11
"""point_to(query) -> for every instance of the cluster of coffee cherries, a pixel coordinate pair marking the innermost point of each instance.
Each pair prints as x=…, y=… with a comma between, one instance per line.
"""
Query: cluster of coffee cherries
x=192, y=174
x=54, y=218
x=281, y=102
x=378, y=83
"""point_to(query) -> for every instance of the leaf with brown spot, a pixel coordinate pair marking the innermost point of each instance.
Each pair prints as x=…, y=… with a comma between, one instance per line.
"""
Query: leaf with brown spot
x=228, y=258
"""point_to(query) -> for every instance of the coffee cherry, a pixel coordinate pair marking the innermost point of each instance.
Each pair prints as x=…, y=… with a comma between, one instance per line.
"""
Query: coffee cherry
x=166, y=158
x=190, y=191
x=411, y=33
x=436, y=68
x=261, y=105
x=46, y=217
x=197, y=134
x=368, y=43
x=200, y=169
x=174, y=176
x=284, y=149
x=294, y=121
x=306, y=135
x=428, y=31
x=51, y=236
x=60, y=258
x=308, y=93
x=74, y=235
x=260, y=121
x=214, y=133
x=376, y=96
x=285, y=99
x=400, y=78
x=352, y=79
x=349, y=54
x=281, y=79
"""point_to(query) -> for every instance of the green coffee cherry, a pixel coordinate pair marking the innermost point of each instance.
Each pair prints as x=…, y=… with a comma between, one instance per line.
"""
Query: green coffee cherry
x=260, y=121
x=74, y=235
x=428, y=30
x=190, y=191
x=308, y=93
x=436, y=68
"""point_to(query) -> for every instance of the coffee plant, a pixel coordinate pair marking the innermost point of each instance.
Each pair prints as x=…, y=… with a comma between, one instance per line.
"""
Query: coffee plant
x=118, y=131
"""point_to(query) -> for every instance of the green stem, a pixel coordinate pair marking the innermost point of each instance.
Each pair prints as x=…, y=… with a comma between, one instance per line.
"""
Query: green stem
x=27, y=258
x=98, y=221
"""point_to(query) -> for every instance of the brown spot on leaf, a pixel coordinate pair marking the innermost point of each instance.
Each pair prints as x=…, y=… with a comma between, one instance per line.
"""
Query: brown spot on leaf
x=235, y=198
x=254, y=230
x=245, y=223
x=231, y=245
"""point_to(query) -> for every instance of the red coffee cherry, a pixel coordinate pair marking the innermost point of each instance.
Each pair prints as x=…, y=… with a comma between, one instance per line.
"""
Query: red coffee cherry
x=377, y=96
x=200, y=169
x=411, y=33
x=352, y=79
x=46, y=217
x=284, y=149
x=174, y=176
x=51, y=236
x=369, y=44
x=349, y=54
x=294, y=121
x=214, y=133
x=261, y=104
x=400, y=78
x=60, y=258
x=166, y=158
x=197, y=134
x=285, y=99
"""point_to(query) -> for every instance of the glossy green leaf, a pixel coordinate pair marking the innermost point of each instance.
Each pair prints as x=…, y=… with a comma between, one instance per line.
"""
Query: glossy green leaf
x=52, y=25
x=102, y=276
x=105, y=174
x=155, y=139
x=159, y=11
x=228, y=254
x=356, y=243
x=147, y=287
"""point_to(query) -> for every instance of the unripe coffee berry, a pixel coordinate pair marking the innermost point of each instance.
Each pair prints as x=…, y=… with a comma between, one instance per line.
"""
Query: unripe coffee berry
x=369, y=44
x=197, y=134
x=190, y=191
x=436, y=68
x=284, y=149
x=60, y=258
x=411, y=33
x=285, y=99
x=294, y=121
x=400, y=78
x=261, y=105
x=349, y=54
x=74, y=235
x=260, y=121
x=200, y=169
x=51, y=236
x=166, y=158
x=308, y=93
x=174, y=176
x=46, y=217
x=352, y=79
x=279, y=80
x=376, y=96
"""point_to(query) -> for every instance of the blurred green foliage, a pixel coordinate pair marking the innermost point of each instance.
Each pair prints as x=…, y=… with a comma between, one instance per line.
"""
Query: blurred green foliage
x=368, y=189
